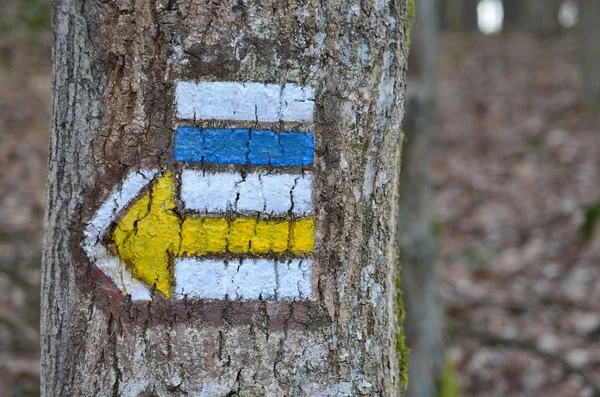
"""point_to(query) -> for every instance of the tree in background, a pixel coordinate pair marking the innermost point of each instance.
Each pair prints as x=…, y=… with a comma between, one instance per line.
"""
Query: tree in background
x=294, y=110
x=514, y=14
x=589, y=40
x=538, y=16
x=468, y=14
x=457, y=14
x=416, y=237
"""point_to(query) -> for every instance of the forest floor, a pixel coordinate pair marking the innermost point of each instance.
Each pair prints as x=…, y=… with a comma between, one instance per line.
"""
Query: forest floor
x=517, y=172
x=517, y=178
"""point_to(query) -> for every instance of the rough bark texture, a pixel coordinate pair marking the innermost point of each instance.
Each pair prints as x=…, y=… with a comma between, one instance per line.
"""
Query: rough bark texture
x=417, y=242
x=115, y=66
x=589, y=35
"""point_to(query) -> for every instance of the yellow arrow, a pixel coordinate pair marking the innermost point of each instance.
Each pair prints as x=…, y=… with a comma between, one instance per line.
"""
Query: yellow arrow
x=152, y=233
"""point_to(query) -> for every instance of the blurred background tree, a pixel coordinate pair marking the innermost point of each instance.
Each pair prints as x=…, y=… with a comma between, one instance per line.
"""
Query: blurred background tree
x=416, y=236
x=589, y=38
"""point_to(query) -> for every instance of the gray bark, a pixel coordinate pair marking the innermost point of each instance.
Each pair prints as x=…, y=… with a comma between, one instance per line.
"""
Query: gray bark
x=589, y=41
x=416, y=238
x=115, y=65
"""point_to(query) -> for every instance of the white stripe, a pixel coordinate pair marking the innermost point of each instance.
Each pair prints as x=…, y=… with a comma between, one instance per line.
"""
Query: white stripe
x=244, y=101
x=118, y=273
x=119, y=198
x=258, y=192
x=99, y=224
x=245, y=280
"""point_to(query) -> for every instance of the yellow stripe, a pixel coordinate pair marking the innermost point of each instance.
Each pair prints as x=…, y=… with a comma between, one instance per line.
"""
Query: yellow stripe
x=206, y=236
x=152, y=233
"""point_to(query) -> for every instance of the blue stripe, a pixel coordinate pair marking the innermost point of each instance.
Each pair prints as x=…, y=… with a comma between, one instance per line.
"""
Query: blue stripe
x=244, y=146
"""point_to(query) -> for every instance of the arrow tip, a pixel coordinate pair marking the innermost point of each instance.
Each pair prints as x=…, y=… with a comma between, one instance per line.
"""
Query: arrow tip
x=147, y=236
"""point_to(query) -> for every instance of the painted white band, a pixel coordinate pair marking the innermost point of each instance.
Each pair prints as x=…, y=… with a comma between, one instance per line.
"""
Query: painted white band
x=244, y=101
x=97, y=227
x=119, y=274
x=275, y=194
x=247, y=279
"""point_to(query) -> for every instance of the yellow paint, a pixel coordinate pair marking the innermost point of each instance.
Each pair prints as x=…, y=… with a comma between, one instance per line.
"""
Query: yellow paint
x=148, y=236
x=270, y=236
x=302, y=240
x=241, y=236
x=240, y=233
x=202, y=236
x=152, y=233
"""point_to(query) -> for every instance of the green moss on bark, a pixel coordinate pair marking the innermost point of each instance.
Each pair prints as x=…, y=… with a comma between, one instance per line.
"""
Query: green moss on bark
x=401, y=347
x=410, y=19
x=449, y=385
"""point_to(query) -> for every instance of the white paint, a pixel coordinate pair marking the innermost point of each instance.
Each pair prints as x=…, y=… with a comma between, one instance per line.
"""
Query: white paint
x=133, y=184
x=302, y=195
x=259, y=102
x=258, y=192
x=294, y=279
x=110, y=265
x=207, y=192
x=251, y=197
x=116, y=270
x=248, y=279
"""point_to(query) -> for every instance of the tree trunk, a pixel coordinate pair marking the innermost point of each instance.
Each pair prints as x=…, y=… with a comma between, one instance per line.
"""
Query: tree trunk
x=469, y=15
x=441, y=6
x=589, y=41
x=543, y=16
x=514, y=14
x=416, y=238
x=453, y=14
x=538, y=16
x=221, y=196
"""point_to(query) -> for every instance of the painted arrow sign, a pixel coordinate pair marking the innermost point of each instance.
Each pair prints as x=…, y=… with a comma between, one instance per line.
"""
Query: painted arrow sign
x=203, y=233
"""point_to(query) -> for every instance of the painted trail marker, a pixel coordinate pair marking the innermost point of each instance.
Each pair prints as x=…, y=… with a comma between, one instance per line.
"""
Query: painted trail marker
x=204, y=232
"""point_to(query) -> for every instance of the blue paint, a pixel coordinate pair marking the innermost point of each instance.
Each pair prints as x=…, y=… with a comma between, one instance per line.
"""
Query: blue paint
x=225, y=146
x=244, y=146
x=296, y=146
x=264, y=146
x=189, y=144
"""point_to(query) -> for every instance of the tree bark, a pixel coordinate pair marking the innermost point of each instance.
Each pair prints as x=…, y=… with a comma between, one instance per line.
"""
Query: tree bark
x=416, y=238
x=117, y=66
x=589, y=35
